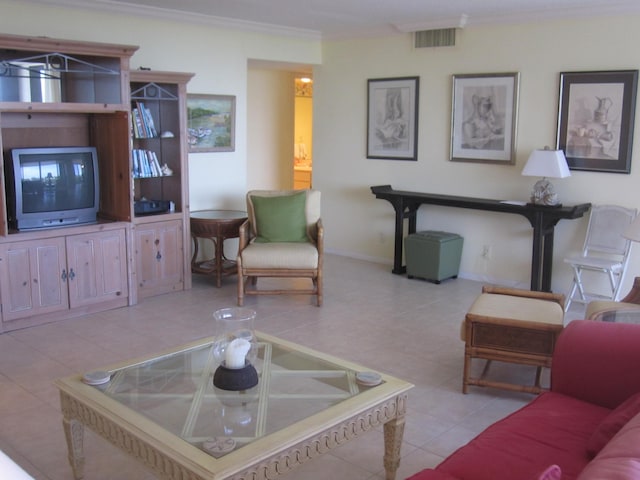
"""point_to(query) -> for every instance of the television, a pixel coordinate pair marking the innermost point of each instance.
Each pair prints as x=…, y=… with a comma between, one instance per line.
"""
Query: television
x=52, y=187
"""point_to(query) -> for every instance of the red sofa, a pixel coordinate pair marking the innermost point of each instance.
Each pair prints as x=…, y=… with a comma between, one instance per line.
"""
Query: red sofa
x=586, y=427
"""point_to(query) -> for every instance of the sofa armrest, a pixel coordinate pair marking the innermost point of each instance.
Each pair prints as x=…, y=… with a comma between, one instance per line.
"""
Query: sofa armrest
x=596, y=362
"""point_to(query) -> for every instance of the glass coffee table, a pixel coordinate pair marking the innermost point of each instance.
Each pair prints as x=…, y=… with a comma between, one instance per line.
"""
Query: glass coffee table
x=165, y=411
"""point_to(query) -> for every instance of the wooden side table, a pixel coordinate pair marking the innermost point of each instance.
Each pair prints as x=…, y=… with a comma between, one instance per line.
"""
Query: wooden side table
x=217, y=226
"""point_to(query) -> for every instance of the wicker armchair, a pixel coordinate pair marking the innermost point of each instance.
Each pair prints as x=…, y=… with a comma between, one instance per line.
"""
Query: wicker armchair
x=270, y=246
x=598, y=308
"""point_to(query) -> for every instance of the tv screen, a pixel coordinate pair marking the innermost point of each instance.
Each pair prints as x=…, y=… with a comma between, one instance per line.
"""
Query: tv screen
x=54, y=187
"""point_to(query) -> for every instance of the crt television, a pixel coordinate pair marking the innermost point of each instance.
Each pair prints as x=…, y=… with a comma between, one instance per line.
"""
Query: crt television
x=52, y=187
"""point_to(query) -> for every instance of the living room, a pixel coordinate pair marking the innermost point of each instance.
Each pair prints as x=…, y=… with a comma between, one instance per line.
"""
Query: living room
x=359, y=227
x=356, y=223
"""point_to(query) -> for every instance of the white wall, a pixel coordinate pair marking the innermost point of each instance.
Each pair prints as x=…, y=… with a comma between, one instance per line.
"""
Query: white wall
x=358, y=224
x=270, y=129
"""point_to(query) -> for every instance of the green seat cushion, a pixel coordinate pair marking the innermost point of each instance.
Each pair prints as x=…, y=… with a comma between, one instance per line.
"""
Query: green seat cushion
x=280, y=218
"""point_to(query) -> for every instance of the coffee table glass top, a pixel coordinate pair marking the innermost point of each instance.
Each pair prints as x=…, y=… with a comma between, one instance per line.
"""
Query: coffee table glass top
x=176, y=392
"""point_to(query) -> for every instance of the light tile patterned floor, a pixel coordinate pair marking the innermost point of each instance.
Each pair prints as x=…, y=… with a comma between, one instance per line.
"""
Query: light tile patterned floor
x=408, y=328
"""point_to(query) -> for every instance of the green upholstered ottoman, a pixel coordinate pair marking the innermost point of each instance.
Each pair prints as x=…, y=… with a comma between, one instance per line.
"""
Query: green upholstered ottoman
x=433, y=255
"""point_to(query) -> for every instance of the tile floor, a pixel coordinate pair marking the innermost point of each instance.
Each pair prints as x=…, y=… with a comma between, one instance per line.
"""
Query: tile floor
x=407, y=328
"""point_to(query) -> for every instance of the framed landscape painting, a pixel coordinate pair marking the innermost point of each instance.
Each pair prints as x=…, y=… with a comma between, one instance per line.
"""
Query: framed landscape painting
x=392, y=118
x=211, y=123
x=595, y=119
x=484, y=115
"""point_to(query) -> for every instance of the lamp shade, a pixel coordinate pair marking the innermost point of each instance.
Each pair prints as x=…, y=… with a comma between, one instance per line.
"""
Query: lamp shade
x=547, y=163
x=633, y=230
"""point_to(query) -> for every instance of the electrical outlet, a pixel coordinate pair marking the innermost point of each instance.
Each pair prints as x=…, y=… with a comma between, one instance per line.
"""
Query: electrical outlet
x=486, y=252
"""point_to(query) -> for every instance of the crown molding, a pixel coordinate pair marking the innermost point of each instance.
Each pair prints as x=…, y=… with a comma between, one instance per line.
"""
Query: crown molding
x=612, y=8
x=557, y=14
x=110, y=6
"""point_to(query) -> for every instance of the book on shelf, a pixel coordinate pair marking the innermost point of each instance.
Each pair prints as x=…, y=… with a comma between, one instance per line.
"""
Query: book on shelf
x=145, y=164
x=143, y=124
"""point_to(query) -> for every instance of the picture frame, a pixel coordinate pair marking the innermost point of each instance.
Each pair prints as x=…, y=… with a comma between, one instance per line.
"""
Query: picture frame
x=211, y=123
x=484, y=115
x=392, y=118
x=596, y=112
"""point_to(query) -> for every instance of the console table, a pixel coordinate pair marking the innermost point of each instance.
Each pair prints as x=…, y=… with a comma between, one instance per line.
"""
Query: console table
x=543, y=219
x=217, y=226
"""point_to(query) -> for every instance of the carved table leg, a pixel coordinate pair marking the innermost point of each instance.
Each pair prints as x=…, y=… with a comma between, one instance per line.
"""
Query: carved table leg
x=74, y=433
x=393, y=432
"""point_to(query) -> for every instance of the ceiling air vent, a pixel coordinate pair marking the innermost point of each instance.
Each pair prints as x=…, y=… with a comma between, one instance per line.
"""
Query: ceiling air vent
x=442, y=37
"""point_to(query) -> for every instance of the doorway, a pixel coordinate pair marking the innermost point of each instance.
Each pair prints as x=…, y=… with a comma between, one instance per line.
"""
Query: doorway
x=271, y=137
x=303, y=133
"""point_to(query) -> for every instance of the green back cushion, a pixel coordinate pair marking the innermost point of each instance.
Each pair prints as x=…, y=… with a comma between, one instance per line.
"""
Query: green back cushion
x=281, y=218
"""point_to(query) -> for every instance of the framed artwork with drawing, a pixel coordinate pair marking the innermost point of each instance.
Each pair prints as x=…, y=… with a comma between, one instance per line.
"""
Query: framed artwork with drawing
x=211, y=123
x=595, y=119
x=484, y=116
x=392, y=118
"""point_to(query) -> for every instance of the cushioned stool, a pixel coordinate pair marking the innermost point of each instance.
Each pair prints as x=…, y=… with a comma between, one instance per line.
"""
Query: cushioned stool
x=513, y=326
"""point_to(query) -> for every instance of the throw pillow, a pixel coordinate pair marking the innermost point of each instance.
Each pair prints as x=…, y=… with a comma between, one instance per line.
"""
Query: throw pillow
x=612, y=423
x=551, y=473
x=281, y=218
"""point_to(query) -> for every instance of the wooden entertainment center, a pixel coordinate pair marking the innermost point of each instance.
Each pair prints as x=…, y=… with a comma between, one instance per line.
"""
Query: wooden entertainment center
x=60, y=93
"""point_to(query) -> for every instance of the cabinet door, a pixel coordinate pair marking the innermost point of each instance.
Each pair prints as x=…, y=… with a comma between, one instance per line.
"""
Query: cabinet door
x=97, y=267
x=33, y=278
x=159, y=257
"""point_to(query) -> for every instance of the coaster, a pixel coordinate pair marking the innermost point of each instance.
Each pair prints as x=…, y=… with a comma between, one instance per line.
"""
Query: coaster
x=96, y=378
x=368, y=379
x=218, y=446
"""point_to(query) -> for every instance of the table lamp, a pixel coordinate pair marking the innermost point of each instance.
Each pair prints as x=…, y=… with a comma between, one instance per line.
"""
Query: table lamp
x=546, y=163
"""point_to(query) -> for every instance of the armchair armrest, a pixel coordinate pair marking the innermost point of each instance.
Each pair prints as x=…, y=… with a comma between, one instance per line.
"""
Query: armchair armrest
x=597, y=362
x=320, y=236
x=634, y=294
x=244, y=235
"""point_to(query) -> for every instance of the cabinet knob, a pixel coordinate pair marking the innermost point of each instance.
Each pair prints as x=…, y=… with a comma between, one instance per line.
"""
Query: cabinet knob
x=158, y=256
x=64, y=275
x=72, y=274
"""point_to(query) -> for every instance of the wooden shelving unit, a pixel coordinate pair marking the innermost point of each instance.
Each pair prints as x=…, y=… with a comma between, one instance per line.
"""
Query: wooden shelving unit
x=60, y=93
x=162, y=240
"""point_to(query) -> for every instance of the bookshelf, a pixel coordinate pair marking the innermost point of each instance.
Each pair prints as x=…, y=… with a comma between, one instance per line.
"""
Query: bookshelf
x=159, y=171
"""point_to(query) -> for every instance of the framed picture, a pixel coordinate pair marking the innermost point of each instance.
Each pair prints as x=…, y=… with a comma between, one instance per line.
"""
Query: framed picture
x=595, y=119
x=392, y=118
x=211, y=123
x=484, y=115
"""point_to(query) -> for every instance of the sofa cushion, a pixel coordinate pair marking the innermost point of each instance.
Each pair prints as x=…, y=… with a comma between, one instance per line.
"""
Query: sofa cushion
x=619, y=459
x=281, y=218
x=613, y=423
x=552, y=429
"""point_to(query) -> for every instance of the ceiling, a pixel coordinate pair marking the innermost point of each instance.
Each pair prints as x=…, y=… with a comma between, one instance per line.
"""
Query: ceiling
x=336, y=19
